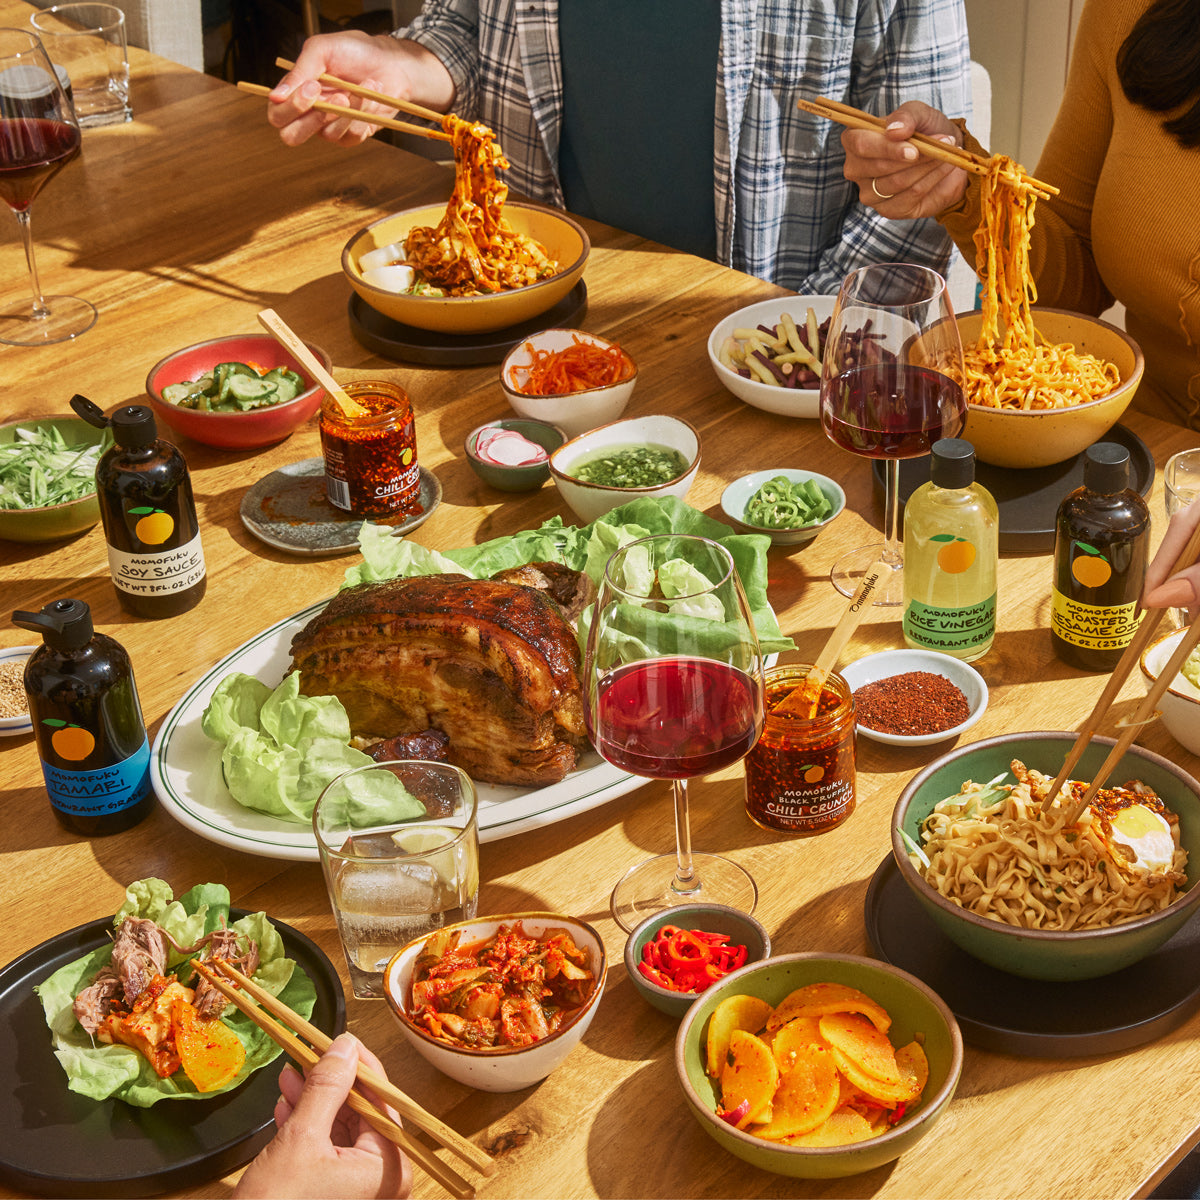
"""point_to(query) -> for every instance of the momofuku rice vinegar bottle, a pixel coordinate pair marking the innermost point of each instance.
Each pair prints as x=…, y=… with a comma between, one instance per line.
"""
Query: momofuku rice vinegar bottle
x=149, y=515
x=87, y=720
x=1101, y=549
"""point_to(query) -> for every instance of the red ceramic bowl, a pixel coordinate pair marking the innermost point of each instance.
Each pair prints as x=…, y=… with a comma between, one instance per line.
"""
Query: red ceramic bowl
x=236, y=430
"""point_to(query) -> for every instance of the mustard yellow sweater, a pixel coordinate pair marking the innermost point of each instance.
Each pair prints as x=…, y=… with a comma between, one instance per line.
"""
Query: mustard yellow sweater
x=1126, y=224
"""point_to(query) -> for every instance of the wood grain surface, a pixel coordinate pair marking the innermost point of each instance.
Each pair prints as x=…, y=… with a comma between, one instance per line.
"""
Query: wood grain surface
x=183, y=224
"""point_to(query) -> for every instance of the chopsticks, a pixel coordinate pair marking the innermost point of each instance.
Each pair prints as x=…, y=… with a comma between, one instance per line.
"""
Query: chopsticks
x=1145, y=711
x=956, y=156
x=415, y=110
x=219, y=973
x=357, y=114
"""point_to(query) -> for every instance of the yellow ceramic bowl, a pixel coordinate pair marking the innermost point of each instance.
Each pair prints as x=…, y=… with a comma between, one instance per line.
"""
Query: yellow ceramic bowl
x=564, y=240
x=1015, y=438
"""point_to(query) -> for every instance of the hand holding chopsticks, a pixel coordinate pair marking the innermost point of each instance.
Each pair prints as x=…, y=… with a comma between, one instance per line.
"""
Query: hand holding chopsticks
x=239, y=989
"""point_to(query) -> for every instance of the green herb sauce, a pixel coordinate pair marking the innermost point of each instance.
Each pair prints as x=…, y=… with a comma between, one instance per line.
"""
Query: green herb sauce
x=631, y=466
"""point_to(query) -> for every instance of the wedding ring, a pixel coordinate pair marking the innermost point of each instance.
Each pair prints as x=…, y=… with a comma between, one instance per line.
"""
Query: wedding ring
x=881, y=195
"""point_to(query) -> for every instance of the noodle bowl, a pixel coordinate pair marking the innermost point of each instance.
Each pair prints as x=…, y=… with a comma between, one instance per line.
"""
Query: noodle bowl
x=1053, y=954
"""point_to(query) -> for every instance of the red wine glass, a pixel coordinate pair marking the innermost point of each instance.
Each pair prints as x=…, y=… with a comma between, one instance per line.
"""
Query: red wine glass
x=889, y=390
x=39, y=135
x=673, y=687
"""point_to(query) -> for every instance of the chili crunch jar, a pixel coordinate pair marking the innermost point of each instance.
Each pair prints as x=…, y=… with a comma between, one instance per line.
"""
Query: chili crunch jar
x=371, y=461
x=800, y=775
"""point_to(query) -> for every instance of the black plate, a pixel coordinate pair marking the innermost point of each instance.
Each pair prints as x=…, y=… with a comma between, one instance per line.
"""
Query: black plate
x=391, y=339
x=288, y=509
x=1029, y=500
x=1011, y=1015
x=56, y=1143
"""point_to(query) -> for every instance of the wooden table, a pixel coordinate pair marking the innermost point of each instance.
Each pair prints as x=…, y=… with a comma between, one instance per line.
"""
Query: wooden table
x=180, y=226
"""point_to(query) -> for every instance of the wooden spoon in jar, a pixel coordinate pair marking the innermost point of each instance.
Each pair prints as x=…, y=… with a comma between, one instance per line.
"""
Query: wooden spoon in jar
x=802, y=701
x=273, y=323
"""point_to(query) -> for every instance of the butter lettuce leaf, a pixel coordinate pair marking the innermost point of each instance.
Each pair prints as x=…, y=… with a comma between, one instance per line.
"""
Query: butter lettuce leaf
x=102, y=1071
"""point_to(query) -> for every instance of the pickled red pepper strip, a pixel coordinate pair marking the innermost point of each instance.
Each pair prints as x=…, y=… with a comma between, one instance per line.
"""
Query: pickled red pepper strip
x=575, y=368
x=689, y=960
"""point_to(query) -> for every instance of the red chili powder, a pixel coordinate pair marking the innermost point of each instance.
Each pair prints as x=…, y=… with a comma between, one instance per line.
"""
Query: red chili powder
x=911, y=704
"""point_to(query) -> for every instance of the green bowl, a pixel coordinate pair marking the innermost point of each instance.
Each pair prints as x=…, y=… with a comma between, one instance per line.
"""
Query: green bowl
x=1046, y=953
x=915, y=1011
x=54, y=521
x=523, y=478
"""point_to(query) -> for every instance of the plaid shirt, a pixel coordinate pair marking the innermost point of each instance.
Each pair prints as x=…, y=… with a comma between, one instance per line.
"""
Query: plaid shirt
x=784, y=210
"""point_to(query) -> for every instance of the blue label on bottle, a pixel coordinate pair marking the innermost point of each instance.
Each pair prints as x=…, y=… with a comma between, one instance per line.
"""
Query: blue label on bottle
x=105, y=790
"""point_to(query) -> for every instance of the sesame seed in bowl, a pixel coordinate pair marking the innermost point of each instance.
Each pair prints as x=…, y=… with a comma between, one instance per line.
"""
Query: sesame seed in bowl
x=14, y=706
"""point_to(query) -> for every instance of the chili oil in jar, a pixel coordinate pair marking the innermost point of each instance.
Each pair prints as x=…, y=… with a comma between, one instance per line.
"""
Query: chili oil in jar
x=371, y=461
x=800, y=776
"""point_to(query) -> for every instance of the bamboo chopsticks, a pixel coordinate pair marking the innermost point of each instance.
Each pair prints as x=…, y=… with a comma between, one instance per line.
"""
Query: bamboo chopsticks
x=957, y=156
x=1145, y=711
x=415, y=110
x=357, y=114
x=221, y=974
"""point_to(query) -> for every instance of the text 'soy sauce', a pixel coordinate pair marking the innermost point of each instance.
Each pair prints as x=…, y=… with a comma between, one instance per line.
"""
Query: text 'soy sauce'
x=800, y=776
x=371, y=461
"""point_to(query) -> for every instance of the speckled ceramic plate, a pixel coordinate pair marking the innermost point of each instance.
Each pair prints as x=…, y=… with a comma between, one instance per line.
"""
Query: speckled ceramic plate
x=288, y=509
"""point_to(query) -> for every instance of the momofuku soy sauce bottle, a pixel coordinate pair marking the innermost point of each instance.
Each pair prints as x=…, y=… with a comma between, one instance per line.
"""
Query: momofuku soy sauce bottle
x=1101, y=549
x=88, y=723
x=149, y=515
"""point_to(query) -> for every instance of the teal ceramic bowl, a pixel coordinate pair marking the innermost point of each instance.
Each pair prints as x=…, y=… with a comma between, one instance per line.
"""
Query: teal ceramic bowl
x=516, y=478
x=53, y=521
x=916, y=1012
x=742, y=929
x=1046, y=953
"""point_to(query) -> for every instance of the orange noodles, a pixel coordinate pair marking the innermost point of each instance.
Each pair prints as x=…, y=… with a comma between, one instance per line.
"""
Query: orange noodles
x=473, y=250
x=1011, y=365
x=575, y=368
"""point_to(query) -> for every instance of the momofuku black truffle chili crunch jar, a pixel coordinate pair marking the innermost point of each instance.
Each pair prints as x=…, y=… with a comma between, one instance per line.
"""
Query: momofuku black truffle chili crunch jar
x=800, y=776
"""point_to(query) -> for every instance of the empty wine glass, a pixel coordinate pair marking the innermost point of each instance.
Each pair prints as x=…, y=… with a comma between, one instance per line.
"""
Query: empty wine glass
x=890, y=388
x=39, y=135
x=673, y=688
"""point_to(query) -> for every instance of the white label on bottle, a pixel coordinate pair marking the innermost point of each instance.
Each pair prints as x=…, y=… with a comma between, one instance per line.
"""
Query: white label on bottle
x=159, y=573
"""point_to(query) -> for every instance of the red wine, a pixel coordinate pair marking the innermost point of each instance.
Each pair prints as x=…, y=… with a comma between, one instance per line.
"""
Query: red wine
x=890, y=410
x=672, y=718
x=32, y=150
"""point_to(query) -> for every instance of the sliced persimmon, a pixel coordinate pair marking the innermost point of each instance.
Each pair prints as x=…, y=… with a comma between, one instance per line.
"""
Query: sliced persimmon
x=788, y=1040
x=913, y=1065
x=819, y=999
x=887, y=1094
x=862, y=1043
x=734, y=1012
x=842, y=1127
x=749, y=1074
x=806, y=1094
x=211, y=1053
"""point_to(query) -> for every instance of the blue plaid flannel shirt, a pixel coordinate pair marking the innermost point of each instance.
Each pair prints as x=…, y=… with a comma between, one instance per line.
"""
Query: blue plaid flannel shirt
x=784, y=210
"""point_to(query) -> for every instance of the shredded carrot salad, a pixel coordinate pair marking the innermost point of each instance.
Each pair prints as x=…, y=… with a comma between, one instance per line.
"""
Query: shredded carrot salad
x=576, y=368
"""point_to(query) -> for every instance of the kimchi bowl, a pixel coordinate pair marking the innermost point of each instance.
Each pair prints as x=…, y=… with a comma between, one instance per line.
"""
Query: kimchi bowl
x=1049, y=954
x=564, y=240
x=502, y=1067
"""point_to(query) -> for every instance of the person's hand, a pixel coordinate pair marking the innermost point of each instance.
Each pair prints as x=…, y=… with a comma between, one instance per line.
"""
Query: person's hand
x=323, y=1147
x=893, y=177
x=396, y=68
x=1181, y=590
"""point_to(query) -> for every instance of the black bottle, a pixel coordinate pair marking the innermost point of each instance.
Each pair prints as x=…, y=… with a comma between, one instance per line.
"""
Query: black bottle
x=149, y=516
x=88, y=722
x=1101, y=550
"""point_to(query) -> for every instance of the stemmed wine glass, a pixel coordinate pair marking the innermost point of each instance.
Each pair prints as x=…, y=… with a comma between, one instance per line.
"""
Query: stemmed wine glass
x=39, y=135
x=673, y=688
x=890, y=388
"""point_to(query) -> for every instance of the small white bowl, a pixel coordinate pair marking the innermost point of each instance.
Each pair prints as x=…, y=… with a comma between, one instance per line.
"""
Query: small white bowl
x=22, y=723
x=513, y=1068
x=786, y=402
x=573, y=412
x=592, y=500
x=737, y=495
x=886, y=663
x=1180, y=703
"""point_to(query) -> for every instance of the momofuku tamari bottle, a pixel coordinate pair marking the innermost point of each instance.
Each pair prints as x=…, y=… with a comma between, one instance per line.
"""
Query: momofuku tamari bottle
x=951, y=550
x=149, y=515
x=1101, y=548
x=87, y=720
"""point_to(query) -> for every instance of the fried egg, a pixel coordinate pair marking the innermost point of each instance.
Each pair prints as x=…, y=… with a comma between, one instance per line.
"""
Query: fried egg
x=1138, y=837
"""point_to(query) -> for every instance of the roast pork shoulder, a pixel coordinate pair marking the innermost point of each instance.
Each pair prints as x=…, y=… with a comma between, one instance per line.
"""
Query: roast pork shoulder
x=492, y=665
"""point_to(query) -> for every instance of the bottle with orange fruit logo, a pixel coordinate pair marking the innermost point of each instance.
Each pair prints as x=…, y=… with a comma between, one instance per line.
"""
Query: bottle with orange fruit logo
x=87, y=720
x=150, y=524
x=951, y=552
x=1101, y=550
